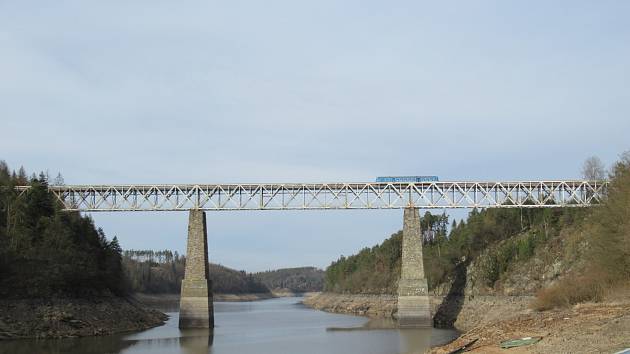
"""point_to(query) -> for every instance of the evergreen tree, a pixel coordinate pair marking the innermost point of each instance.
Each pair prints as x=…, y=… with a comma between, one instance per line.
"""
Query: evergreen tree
x=45, y=250
x=58, y=181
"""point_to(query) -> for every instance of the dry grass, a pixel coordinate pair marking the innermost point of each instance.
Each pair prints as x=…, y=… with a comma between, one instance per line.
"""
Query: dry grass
x=570, y=291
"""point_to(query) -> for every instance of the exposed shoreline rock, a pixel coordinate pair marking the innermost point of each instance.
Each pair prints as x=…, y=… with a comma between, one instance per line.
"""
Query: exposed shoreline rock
x=171, y=301
x=166, y=301
x=474, y=311
x=289, y=293
x=584, y=328
x=375, y=306
x=73, y=317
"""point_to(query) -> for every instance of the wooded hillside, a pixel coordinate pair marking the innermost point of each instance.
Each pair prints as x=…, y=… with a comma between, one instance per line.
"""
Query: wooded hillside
x=157, y=272
x=46, y=252
x=587, y=250
x=299, y=280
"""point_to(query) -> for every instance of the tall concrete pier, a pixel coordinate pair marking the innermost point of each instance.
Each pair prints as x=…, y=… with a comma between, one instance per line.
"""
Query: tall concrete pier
x=413, y=297
x=195, y=306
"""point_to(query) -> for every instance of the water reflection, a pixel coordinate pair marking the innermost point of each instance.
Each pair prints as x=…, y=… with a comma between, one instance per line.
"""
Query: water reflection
x=99, y=345
x=196, y=341
x=417, y=340
x=270, y=326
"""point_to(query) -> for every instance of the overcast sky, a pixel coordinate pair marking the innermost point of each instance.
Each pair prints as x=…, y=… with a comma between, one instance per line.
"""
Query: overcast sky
x=295, y=91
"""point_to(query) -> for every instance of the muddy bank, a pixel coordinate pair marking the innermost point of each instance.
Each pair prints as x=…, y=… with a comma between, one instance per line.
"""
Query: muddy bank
x=171, y=301
x=67, y=317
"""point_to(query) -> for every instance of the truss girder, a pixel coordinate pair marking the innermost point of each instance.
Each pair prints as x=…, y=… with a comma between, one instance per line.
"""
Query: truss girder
x=427, y=195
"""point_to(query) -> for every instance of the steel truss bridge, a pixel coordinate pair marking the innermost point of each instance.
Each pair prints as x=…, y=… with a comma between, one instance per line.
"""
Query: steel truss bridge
x=302, y=196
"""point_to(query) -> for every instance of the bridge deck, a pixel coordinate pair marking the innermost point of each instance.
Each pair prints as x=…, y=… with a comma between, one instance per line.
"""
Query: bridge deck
x=298, y=196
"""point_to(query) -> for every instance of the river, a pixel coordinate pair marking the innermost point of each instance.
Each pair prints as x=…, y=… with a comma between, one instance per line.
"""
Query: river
x=277, y=326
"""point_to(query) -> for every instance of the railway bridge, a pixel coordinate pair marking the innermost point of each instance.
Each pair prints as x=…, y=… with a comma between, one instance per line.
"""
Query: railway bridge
x=196, y=307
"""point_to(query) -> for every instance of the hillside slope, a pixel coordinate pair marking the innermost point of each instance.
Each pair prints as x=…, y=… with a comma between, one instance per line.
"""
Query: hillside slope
x=504, y=251
x=59, y=275
x=161, y=272
x=297, y=280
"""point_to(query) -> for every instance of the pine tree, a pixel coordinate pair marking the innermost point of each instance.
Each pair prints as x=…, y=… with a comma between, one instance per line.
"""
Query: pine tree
x=58, y=181
x=21, y=177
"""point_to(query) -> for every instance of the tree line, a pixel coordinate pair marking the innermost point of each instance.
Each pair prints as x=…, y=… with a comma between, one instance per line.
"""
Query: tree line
x=376, y=270
x=161, y=272
x=299, y=280
x=604, y=230
x=45, y=251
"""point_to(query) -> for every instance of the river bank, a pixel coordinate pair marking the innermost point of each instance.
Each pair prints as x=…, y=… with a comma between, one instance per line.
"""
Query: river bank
x=171, y=301
x=375, y=306
x=584, y=328
x=72, y=317
x=163, y=301
x=464, y=315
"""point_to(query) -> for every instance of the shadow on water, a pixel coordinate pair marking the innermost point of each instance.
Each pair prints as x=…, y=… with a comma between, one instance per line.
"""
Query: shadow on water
x=451, y=306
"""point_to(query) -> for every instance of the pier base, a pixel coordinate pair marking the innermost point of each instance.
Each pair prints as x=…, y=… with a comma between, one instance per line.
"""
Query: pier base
x=414, y=308
x=195, y=307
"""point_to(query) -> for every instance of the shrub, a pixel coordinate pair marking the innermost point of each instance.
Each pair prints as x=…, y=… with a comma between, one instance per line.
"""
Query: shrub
x=570, y=291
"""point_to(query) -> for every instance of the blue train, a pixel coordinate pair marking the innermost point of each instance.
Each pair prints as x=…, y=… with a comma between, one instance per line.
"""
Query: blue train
x=407, y=179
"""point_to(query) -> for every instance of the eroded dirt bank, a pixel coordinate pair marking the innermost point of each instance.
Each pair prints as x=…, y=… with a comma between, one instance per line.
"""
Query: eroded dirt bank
x=65, y=317
x=585, y=328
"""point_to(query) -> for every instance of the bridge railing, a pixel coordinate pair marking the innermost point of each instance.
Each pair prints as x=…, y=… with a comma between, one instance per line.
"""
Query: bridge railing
x=299, y=196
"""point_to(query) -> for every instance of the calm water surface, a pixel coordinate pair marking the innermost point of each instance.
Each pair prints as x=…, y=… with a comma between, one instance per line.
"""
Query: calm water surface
x=270, y=326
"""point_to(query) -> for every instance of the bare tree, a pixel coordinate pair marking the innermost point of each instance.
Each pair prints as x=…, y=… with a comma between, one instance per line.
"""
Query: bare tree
x=593, y=169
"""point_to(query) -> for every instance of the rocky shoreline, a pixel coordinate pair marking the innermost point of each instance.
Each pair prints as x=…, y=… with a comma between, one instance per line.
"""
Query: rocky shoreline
x=72, y=317
x=490, y=319
x=472, y=311
x=375, y=306
x=584, y=328
x=171, y=301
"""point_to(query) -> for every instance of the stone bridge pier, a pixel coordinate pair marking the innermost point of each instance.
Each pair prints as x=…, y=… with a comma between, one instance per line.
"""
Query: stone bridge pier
x=414, y=308
x=195, y=306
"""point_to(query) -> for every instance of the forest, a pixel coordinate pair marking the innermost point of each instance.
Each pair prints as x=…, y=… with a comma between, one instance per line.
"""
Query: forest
x=161, y=272
x=45, y=252
x=376, y=270
x=604, y=232
x=298, y=280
